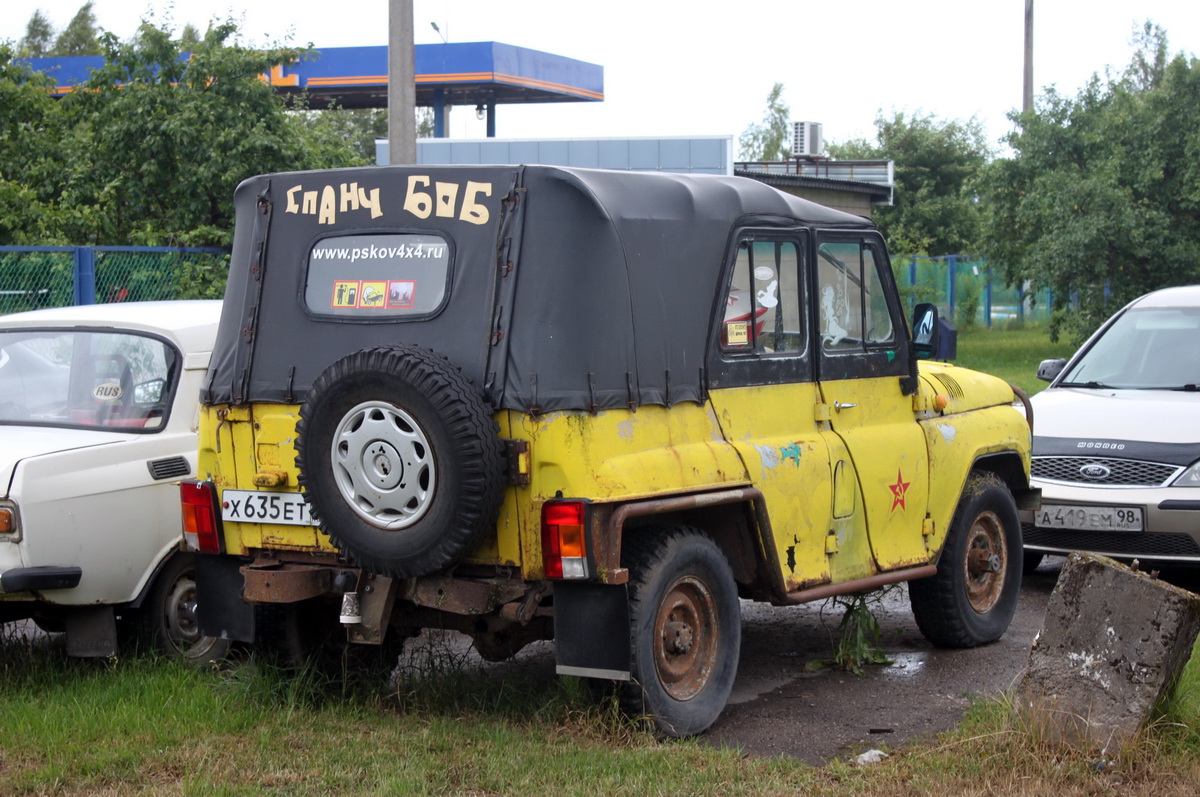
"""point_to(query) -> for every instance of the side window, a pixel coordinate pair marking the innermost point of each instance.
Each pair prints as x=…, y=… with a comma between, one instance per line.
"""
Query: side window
x=852, y=302
x=762, y=305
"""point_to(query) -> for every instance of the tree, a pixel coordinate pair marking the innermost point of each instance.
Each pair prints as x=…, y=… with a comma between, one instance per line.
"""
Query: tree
x=38, y=33
x=189, y=39
x=937, y=162
x=29, y=150
x=1101, y=201
x=154, y=146
x=80, y=36
x=768, y=140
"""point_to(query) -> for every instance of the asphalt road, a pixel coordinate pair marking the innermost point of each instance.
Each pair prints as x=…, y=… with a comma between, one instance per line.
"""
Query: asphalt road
x=781, y=707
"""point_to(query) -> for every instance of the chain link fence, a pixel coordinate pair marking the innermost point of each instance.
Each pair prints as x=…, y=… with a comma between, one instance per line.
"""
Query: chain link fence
x=33, y=277
x=966, y=291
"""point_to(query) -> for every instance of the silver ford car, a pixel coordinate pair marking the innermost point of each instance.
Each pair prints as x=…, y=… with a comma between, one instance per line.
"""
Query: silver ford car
x=1117, y=453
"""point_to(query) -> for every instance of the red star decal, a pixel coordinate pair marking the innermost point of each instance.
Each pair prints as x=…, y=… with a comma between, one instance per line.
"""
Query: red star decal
x=898, y=490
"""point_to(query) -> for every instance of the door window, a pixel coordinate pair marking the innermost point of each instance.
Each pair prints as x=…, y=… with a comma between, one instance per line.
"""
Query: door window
x=854, y=310
x=764, y=329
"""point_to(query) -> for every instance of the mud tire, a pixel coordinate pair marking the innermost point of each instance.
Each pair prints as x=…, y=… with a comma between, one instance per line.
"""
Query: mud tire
x=400, y=460
x=685, y=629
x=972, y=598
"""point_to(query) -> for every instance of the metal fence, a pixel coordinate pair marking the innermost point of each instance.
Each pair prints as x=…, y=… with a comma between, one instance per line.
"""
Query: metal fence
x=54, y=276
x=32, y=277
x=966, y=290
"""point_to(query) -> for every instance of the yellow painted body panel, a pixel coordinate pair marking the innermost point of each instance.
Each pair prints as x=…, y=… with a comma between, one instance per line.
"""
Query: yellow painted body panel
x=890, y=462
x=786, y=454
x=611, y=456
x=978, y=420
x=955, y=442
x=849, y=492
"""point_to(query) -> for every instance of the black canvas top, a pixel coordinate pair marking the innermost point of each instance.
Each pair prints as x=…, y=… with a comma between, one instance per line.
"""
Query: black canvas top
x=552, y=288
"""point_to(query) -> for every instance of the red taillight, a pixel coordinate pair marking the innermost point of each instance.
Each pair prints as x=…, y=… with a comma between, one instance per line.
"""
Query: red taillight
x=201, y=530
x=564, y=541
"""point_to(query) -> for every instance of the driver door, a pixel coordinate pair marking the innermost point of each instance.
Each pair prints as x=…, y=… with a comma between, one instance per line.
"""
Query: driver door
x=863, y=361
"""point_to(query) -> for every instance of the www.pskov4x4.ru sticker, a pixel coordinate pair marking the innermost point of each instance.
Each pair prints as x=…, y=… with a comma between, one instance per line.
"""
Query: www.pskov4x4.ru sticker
x=372, y=294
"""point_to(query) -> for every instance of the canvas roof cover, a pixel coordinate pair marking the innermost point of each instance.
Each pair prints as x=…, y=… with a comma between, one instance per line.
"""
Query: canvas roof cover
x=565, y=289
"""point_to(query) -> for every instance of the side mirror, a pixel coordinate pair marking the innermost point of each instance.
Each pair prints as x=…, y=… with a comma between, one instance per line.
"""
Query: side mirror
x=1049, y=370
x=149, y=392
x=925, y=330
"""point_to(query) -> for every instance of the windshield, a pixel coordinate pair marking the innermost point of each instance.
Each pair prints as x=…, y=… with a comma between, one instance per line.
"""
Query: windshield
x=1151, y=348
x=85, y=378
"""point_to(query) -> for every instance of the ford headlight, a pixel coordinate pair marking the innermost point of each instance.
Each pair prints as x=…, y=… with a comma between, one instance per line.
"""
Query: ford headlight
x=1189, y=478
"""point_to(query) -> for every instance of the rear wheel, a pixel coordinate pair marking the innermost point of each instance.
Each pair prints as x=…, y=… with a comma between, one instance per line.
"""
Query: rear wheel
x=972, y=598
x=168, y=617
x=685, y=623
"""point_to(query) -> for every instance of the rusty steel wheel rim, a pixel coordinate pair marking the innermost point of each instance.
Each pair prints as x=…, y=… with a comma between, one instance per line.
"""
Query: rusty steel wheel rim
x=686, y=637
x=986, y=562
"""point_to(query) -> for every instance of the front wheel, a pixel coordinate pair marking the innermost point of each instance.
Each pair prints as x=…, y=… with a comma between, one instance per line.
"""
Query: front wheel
x=972, y=598
x=168, y=617
x=685, y=629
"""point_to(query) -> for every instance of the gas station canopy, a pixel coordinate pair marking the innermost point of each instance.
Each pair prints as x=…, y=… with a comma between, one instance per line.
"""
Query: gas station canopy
x=481, y=74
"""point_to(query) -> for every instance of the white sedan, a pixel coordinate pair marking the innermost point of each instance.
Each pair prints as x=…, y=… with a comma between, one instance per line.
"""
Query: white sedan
x=1117, y=451
x=97, y=425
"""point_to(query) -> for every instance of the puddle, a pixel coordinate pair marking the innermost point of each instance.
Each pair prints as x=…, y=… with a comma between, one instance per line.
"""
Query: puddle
x=906, y=665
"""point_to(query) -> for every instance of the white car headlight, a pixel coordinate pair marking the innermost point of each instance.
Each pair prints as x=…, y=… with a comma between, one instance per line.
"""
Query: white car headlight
x=1189, y=478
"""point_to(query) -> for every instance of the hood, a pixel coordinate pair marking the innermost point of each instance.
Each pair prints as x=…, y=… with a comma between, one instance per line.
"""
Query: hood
x=22, y=442
x=1141, y=424
x=964, y=389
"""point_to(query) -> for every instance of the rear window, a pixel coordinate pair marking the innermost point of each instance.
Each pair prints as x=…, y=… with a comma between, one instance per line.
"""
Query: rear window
x=90, y=378
x=377, y=276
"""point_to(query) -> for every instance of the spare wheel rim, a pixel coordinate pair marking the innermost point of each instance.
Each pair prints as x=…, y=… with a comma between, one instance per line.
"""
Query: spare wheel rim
x=383, y=465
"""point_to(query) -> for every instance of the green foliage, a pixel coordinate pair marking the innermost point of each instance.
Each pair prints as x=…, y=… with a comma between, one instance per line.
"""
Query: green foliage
x=1101, y=201
x=936, y=165
x=150, y=149
x=38, y=33
x=28, y=151
x=80, y=36
x=857, y=642
x=967, y=300
x=768, y=140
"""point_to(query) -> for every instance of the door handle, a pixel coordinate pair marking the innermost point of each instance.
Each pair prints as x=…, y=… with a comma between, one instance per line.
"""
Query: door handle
x=839, y=406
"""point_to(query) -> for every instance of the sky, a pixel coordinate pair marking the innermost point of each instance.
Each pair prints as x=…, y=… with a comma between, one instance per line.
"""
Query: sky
x=706, y=68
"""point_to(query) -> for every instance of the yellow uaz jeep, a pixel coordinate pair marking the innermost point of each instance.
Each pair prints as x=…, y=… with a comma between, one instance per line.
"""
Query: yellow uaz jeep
x=530, y=402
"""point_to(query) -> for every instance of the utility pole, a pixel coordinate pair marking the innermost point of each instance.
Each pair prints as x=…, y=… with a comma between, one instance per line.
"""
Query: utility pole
x=1028, y=104
x=402, y=84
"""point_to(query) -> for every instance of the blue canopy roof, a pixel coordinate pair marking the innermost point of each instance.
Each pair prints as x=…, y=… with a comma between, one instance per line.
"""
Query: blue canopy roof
x=467, y=73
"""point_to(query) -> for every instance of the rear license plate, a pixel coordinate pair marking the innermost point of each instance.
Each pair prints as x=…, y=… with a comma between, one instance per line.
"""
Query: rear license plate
x=255, y=506
x=1089, y=518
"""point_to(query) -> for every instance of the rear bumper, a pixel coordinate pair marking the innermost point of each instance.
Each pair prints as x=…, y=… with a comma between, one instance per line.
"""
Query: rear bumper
x=36, y=579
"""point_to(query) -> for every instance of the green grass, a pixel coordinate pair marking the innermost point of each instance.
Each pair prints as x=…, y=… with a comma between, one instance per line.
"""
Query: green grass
x=149, y=726
x=1011, y=354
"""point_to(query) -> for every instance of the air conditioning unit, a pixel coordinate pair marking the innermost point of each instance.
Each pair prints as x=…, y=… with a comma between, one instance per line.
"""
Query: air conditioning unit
x=806, y=139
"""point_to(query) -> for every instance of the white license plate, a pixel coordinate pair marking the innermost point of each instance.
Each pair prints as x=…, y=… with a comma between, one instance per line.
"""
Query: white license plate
x=1089, y=518
x=254, y=506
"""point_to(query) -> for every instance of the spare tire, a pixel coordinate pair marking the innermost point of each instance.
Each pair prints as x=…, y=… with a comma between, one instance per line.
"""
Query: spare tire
x=400, y=460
